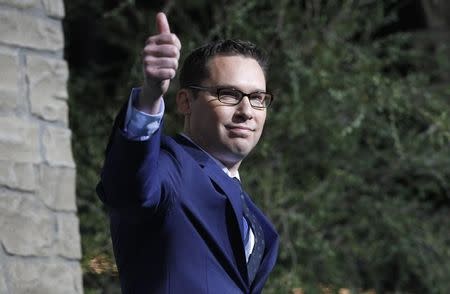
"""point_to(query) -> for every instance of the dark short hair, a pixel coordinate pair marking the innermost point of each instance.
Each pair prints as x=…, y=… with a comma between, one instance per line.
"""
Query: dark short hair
x=195, y=70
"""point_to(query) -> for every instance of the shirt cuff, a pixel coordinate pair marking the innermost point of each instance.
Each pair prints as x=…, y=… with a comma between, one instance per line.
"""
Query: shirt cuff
x=139, y=126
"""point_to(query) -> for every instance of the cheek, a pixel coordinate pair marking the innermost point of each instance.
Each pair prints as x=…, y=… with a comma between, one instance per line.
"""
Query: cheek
x=222, y=115
x=261, y=119
x=211, y=121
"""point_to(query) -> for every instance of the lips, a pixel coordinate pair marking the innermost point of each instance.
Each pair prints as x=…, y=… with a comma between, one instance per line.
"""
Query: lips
x=239, y=131
x=240, y=128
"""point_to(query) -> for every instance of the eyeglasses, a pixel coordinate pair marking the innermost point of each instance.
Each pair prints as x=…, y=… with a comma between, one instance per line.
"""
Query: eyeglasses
x=232, y=96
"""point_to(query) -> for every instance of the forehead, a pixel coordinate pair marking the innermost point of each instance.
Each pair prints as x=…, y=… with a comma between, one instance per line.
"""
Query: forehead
x=236, y=70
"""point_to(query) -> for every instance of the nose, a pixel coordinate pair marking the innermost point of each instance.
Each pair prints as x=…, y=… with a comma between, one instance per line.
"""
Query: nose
x=245, y=109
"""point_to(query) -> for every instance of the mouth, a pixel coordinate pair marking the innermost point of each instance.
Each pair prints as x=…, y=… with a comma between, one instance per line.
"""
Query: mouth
x=239, y=131
x=239, y=128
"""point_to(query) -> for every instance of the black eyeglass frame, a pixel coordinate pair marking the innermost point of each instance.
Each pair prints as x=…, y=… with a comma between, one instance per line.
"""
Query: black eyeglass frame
x=216, y=90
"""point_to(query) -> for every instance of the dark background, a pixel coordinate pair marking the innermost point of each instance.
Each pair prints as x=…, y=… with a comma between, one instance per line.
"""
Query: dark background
x=354, y=164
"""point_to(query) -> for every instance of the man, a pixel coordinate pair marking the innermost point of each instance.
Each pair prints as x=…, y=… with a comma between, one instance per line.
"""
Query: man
x=180, y=220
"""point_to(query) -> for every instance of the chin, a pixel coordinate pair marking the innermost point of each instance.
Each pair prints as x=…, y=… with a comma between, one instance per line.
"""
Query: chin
x=241, y=151
x=236, y=149
x=232, y=153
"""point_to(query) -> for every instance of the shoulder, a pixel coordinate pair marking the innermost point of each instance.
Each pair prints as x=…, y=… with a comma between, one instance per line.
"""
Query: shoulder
x=173, y=157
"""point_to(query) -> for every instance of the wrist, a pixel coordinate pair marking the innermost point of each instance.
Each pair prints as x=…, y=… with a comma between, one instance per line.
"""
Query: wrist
x=148, y=102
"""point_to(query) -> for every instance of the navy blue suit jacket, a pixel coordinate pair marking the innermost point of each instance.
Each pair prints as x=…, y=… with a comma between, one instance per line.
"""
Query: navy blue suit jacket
x=176, y=219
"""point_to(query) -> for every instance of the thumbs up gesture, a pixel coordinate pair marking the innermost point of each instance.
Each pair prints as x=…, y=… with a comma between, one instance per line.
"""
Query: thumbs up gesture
x=160, y=62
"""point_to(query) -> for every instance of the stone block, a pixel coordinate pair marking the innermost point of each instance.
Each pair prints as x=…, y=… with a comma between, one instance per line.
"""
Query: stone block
x=57, y=187
x=57, y=146
x=78, y=277
x=54, y=8
x=68, y=236
x=3, y=287
x=24, y=4
x=30, y=31
x=19, y=140
x=9, y=76
x=48, y=91
x=43, y=276
x=17, y=175
x=26, y=226
x=8, y=100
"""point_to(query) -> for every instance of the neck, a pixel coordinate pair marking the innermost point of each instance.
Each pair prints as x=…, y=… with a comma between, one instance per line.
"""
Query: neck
x=231, y=166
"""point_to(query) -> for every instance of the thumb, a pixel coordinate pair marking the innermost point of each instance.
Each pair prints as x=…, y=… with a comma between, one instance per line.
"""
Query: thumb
x=162, y=24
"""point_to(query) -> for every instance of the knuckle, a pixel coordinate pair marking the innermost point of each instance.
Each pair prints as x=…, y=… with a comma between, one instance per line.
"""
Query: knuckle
x=149, y=70
x=174, y=51
x=174, y=39
x=151, y=40
x=148, y=49
x=148, y=59
x=170, y=73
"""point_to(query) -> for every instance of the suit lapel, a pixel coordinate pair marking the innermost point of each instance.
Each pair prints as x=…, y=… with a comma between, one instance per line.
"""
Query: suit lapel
x=231, y=190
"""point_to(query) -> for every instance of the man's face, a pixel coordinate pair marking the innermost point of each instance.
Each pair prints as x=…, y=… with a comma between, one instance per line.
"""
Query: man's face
x=227, y=132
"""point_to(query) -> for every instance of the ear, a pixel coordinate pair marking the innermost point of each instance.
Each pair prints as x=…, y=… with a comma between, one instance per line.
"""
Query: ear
x=184, y=99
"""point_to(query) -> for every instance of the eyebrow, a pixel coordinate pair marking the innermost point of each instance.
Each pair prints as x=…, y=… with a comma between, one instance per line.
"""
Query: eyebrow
x=237, y=88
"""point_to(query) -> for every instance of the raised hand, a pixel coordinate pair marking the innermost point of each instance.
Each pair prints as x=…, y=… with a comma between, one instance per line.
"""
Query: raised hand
x=160, y=62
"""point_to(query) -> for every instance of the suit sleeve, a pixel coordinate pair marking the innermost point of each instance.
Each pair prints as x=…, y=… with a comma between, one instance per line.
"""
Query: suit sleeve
x=130, y=177
x=139, y=126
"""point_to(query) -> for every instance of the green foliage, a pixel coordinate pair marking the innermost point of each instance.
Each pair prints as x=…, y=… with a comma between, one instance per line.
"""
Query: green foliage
x=354, y=165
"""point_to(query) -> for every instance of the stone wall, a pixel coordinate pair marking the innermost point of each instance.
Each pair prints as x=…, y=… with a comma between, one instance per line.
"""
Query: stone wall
x=39, y=234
